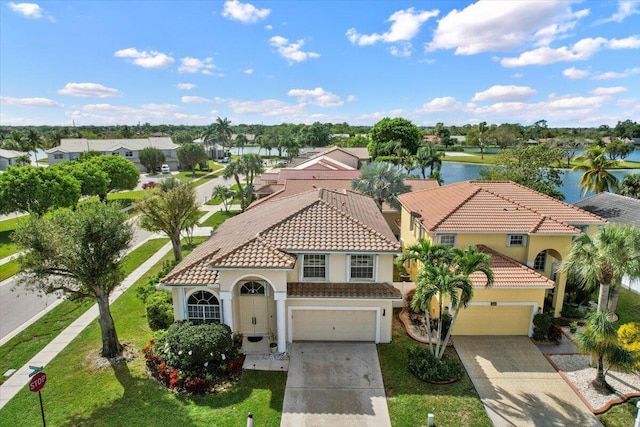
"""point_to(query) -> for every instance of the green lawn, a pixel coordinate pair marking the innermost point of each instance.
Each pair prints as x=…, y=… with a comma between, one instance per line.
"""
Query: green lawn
x=7, y=227
x=218, y=218
x=78, y=393
x=21, y=348
x=8, y=269
x=628, y=309
x=409, y=399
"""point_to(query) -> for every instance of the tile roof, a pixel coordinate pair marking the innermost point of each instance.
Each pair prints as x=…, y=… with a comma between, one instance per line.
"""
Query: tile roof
x=196, y=273
x=79, y=145
x=296, y=186
x=509, y=273
x=614, y=207
x=260, y=237
x=483, y=206
x=342, y=290
x=11, y=154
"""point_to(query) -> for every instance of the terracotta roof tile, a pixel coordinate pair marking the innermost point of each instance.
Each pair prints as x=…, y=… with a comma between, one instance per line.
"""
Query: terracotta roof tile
x=477, y=206
x=197, y=273
x=509, y=273
x=342, y=290
x=255, y=254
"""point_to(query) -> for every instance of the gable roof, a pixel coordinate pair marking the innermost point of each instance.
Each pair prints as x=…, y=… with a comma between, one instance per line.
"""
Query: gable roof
x=487, y=206
x=297, y=186
x=79, y=145
x=12, y=154
x=317, y=220
x=614, y=207
x=509, y=273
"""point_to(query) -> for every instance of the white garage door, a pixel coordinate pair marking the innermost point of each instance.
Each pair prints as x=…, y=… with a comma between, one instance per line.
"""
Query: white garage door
x=334, y=325
x=493, y=320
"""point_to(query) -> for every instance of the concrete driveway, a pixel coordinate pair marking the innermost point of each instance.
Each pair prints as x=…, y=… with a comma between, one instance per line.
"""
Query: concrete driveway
x=334, y=384
x=517, y=385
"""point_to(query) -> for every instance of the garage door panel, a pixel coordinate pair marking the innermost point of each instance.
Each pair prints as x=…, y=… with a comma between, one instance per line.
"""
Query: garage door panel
x=334, y=325
x=493, y=320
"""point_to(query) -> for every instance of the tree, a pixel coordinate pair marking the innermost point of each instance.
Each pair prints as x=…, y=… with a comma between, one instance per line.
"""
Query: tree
x=223, y=130
x=190, y=154
x=316, y=135
x=617, y=149
x=382, y=181
x=123, y=174
x=531, y=166
x=630, y=186
x=600, y=338
x=596, y=176
x=570, y=147
x=225, y=194
x=34, y=142
x=23, y=160
x=397, y=129
x=428, y=157
x=93, y=181
x=603, y=259
x=182, y=138
x=627, y=129
x=151, y=158
x=170, y=211
x=241, y=141
x=80, y=254
x=249, y=165
x=37, y=190
x=444, y=274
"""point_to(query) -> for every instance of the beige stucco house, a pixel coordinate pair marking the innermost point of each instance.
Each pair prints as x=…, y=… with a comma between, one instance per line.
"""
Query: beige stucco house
x=313, y=266
x=527, y=233
x=10, y=158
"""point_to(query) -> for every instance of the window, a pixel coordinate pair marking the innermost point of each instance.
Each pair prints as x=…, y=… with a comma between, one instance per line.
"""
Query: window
x=516, y=240
x=252, y=288
x=362, y=267
x=128, y=153
x=314, y=266
x=203, y=307
x=58, y=156
x=541, y=261
x=447, y=239
x=115, y=153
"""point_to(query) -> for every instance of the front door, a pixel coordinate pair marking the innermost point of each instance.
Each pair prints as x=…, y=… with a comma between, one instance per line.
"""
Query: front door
x=254, y=313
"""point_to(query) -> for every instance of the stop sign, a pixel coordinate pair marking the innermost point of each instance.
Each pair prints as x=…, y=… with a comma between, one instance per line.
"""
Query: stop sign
x=37, y=382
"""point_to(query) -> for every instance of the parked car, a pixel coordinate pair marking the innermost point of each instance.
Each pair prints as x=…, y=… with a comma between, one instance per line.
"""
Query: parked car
x=165, y=168
x=149, y=184
x=225, y=159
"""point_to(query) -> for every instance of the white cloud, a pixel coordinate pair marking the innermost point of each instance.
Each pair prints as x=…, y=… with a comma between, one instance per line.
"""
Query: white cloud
x=626, y=8
x=146, y=59
x=606, y=91
x=162, y=107
x=243, y=12
x=108, y=114
x=93, y=90
x=403, y=50
x=505, y=93
x=28, y=102
x=29, y=10
x=186, y=86
x=267, y=107
x=442, y=104
x=195, y=65
x=405, y=25
x=351, y=98
x=248, y=71
x=317, y=96
x=632, y=42
x=291, y=51
x=614, y=75
x=195, y=100
x=268, y=27
x=517, y=75
x=574, y=73
x=503, y=26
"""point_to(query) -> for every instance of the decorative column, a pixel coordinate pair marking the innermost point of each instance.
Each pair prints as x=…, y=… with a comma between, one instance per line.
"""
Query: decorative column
x=227, y=308
x=281, y=298
x=180, y=314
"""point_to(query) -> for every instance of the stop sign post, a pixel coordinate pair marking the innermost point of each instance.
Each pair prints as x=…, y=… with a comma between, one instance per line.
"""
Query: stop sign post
x=36, y=384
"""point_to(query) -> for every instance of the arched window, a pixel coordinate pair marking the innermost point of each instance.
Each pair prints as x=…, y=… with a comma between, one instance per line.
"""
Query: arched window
x=203, y=306
x=252, y=288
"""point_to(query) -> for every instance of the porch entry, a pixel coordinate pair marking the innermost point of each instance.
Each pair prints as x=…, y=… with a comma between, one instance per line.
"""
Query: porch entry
x=254, y=308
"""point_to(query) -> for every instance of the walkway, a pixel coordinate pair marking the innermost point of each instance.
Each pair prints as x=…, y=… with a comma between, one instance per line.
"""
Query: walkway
x=518, y=386
x=334, y=384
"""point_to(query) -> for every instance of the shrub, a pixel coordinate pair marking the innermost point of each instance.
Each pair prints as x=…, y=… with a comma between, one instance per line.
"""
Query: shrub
x=542, y=323
x=150, y=287
x=199, y=349
x=159, y=308
x=426, y=367
x=629, y=338
x=572, y=312
x=391, y=159
x=446, y=323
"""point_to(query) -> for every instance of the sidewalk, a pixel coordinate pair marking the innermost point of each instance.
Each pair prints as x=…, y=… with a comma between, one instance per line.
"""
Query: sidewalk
x=21, y=377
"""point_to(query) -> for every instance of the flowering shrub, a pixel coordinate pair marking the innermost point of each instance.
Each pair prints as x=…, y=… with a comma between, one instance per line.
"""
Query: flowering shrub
x=629, y=338
x=427, y=367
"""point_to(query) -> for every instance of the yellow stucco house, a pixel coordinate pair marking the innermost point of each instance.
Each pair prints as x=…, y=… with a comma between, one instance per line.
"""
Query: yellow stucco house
x=528, y=235
x=313, y=266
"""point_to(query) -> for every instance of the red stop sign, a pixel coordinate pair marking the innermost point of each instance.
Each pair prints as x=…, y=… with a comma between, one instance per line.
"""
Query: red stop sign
x=37, y=382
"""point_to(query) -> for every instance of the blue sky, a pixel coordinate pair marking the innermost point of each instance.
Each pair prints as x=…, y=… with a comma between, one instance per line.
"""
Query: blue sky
x=571, y=63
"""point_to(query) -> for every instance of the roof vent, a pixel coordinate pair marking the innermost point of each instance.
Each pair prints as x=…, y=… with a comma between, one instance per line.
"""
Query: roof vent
x=416, y=214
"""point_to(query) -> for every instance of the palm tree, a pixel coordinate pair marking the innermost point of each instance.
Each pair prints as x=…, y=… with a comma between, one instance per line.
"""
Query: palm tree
x=596, y=177
x=23, y=160
x=429, y=157
x=601, y=339
x=630, y=186
x=223, y=129
x=482, y=130
x=251, y=166
x=209, y=138
x=603, y=259
x=383, y=181
x=34, y=141
x=241, y=141
x=225, y=194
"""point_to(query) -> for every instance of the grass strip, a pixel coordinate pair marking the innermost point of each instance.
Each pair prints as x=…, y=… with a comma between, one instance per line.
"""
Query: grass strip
x=21, y=348
x=7, y=226
x=79, y=393
x=218, y=218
